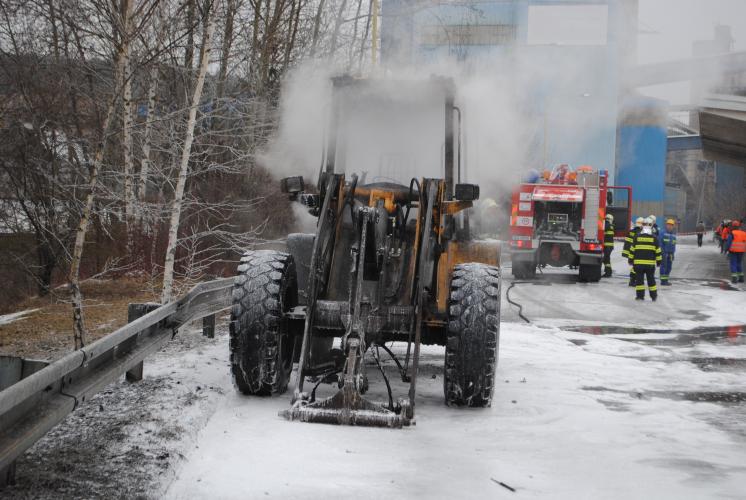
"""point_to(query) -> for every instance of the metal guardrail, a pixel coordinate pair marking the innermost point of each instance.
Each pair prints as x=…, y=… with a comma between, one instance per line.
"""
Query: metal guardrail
x=35, y=404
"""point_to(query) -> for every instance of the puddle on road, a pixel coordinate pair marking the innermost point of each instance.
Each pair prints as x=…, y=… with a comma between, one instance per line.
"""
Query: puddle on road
x=717, y=364
x=720, y=284
x=732, y=334
x=735, y=397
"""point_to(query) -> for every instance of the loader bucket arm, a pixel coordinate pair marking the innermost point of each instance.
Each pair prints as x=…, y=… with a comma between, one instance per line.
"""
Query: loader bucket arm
x=348, y=406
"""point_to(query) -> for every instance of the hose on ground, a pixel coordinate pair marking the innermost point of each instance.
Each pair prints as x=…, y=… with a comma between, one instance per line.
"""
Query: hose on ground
x=519, y=306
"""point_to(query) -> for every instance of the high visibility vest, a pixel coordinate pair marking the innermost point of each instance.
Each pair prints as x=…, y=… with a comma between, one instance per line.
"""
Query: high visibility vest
x=738, y=245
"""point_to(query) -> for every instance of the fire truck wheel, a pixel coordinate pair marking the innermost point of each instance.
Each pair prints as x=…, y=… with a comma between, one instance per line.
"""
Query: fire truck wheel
x=590, y=273
x=473, y=335
x=524, y=270
x=261, y=347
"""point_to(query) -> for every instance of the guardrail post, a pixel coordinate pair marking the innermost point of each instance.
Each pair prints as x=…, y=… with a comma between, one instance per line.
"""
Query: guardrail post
x=135, y=311
x=208, y=326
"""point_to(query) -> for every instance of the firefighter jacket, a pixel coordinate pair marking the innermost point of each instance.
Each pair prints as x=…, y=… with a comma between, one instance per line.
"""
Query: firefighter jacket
x=645, y=250
x=628, y=242
x=736, y=242
x=667, y=241
x=608, y=235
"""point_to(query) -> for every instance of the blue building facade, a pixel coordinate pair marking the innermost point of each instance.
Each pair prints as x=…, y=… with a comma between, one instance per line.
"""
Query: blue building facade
x=641, y=155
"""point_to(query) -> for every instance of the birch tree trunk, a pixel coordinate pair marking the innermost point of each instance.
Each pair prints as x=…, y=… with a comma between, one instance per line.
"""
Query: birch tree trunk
x=173, y=230
x=142, y=189
x=79, y=332
x=127, y=122
x=147, y=139
x=316, y=28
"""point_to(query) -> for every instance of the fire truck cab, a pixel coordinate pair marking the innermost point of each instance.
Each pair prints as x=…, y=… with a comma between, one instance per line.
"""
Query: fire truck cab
x=558, y=220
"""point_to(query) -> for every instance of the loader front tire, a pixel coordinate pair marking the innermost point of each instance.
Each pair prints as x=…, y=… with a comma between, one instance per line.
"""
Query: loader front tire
x=473, y=335
x=261, y=347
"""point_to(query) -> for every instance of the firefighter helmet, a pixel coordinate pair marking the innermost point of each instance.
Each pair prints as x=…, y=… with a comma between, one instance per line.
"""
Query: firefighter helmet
x=652, y=219
x=639, y=221
x=609, y=217
x=647, y=221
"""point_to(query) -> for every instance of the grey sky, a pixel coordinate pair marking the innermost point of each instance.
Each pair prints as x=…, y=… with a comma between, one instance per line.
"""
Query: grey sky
x=677, y=24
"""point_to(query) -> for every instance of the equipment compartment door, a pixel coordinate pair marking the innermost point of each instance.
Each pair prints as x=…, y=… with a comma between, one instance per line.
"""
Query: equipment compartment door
x=621, y=208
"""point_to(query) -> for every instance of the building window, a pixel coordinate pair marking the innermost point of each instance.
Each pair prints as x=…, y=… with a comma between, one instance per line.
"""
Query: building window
x=468, y=34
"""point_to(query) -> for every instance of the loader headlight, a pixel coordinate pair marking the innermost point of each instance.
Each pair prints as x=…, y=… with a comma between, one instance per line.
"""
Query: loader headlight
x=467, y=192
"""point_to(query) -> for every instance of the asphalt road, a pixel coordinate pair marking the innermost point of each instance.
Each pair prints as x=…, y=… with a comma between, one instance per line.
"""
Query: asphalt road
x=700, y=292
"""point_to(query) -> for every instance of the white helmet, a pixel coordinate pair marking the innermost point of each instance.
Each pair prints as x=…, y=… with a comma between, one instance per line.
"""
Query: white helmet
x=639, y=221
x=647, y=221
x=609, y=217
x=652, y=219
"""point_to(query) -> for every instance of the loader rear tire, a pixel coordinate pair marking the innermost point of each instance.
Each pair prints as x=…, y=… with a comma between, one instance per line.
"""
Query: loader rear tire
x=473, y=335
x=261, y=346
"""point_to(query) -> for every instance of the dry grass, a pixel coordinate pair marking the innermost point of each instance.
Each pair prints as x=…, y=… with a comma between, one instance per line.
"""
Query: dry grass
x=47, y=333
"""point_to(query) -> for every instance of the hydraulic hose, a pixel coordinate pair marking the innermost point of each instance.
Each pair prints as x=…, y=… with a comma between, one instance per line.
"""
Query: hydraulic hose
x=519, y=306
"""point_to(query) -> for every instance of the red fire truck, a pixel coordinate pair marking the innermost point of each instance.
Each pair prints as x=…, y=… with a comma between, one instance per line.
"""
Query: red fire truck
x=558, y=220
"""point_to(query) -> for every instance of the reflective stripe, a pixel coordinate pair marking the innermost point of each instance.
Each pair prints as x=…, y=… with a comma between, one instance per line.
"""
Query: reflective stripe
x=653, y=288
x=644, y=262
x=640, y=288
x=646, y=247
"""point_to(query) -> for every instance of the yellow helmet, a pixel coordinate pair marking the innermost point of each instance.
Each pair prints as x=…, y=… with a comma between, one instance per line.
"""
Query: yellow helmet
x=671, y=221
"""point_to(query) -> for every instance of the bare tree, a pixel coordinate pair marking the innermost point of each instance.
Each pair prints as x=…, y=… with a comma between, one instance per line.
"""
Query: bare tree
x=168, y=272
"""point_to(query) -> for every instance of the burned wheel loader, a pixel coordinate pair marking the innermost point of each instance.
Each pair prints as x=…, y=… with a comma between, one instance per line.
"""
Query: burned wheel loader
x=391, y=260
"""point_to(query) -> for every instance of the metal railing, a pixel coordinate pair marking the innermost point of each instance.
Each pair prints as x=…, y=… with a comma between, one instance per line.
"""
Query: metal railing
x=30, y=407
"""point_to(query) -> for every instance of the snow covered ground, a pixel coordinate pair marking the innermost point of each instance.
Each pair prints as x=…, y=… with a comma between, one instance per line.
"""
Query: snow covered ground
x=595, y=399
x=575, y=415
x=10, y=318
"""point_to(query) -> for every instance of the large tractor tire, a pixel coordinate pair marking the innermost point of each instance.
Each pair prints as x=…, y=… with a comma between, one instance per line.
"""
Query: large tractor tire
x=473, y=335
x=590, y=273
x=261, y=347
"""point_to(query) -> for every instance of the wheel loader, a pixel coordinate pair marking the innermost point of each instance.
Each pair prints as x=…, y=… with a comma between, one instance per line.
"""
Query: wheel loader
x=391, y=260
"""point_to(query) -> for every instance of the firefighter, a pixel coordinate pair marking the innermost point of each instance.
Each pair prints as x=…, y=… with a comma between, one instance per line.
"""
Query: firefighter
x=627, y=244
x=667, y=242
x=656, y=230
x=608, y=244
x=645, y=255
x=700, y=232
x=735, y=245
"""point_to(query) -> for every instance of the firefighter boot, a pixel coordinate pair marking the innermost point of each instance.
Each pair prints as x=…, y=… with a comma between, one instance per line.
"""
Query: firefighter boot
x=607, y=272
x=653, y=295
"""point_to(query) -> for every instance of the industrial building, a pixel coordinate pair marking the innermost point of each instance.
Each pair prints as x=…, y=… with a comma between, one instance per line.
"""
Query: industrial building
x=582, y=95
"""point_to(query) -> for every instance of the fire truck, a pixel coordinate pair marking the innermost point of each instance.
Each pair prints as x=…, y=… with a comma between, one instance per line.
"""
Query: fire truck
x=558, y=219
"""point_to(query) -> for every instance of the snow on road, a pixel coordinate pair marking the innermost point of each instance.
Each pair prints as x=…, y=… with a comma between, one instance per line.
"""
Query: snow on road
x=599, y=397
x=10, y=318
x=575, y=415
x=568, y=421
